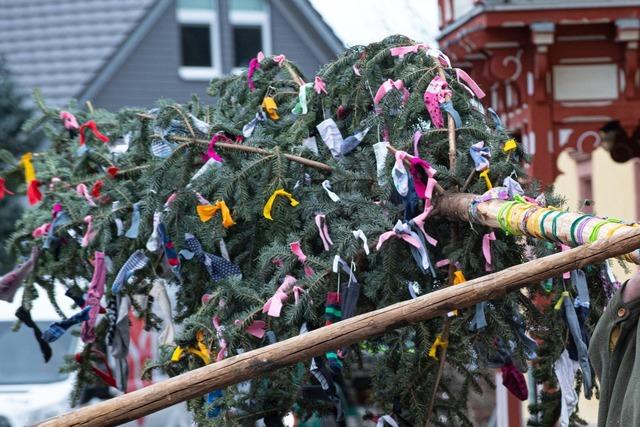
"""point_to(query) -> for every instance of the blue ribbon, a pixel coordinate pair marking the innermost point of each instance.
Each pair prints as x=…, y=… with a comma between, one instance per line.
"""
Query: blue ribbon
x=134, y=229
x=448, y=107
x=57, y=329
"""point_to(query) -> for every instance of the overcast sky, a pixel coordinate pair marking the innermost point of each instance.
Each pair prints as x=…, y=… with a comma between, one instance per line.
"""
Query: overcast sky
x=362, y=22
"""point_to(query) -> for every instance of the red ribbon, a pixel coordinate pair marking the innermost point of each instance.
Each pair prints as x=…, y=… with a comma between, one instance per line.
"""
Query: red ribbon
x=113, y=171
x=3, y=189
x=106, y=376
x=33, y=192
x=97, y=188
x=94, y=129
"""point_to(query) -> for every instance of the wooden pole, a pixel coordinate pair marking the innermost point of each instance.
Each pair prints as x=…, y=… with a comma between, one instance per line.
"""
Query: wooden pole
x=196, y=383
x=456, y=206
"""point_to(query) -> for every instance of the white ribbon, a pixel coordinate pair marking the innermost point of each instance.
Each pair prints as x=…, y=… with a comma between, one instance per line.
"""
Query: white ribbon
x=154, y=243
x=380, y=151
x=386, y=419
x=359, y=234
x=327, y=187
x=159, y=294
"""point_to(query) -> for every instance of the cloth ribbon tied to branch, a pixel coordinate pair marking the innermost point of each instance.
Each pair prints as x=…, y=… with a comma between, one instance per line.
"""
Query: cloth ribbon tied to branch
x=471, y=86
x=211, y=149
x=403, y=231
x=57, y=329
x=91, y=125
x=136, y=262
x=301, y=106
x=387, y=87
x=254, y=64
x=33, y=192
x=480, y=155
x=273, y=306
x=200, y=350
x=439, y=344
x=25, y=317
x=271, y=108
x=266, y=211
x=327, y=188
x=296, y=249
x=83, y=191
x=486, y=250
x=69, y=122
x=435, y=99
x=106, y=375
x=401, y=51
x=94, y=295
x=319, y=86
x=217, y=267
x=332, y=138
x=323, y=230
x=159, y=294
x=3, y=189
x=10, y=282
x=89, y=234
x=206, y=212
x=134, y=228
x=217, y=324
x=359, y=234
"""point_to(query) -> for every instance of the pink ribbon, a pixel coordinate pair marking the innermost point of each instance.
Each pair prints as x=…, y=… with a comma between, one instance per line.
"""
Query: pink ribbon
x=82, y=190
x=211, y=150
x=404, y=50
x=441, y=57
x=424, y=189
x=443, y=263
x=486, y=250
x=566, y=274
x=388, y=86
x=280, y=59
x=356, y=70
x=406, y=237
x=69, y=121
x=56, y=209
x=416, y=140
x=41, y=231
x=221, y=341
x=260, y=56
x=256, y=328
x=435, y=95
x=297, y=251
x=273, y=306
x=419, y=222
x=319, y=85
x=471, y=84
x=89, y=234
x=297, y=291
x=94, y=294
x=170, y=200
x=254, y=64
x=323, y=229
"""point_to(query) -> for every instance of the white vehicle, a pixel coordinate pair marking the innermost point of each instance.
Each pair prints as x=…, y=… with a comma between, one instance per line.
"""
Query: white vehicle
x=32, y=390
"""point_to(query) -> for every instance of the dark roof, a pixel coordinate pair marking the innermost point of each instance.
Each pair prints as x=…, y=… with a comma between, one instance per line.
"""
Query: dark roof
x=61, y=45
x=70, y=48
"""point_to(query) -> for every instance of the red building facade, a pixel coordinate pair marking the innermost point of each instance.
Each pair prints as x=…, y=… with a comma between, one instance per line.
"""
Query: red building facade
x=562, y=75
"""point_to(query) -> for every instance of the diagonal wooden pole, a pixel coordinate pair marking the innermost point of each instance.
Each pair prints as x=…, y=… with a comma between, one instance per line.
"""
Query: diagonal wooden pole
x=196, y=383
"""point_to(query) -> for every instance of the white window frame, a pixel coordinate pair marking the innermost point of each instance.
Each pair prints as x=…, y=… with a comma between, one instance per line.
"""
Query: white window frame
x=259, y=18
x=202, y=17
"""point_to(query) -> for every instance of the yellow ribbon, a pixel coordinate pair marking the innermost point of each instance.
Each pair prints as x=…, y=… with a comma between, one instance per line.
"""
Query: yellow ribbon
x=279, y=192
x=206, y=212
x=439, y=343
x=509, y=145
x=458, y=278
x=558, y=304
x=270, y=106
x=29, y=171
x=485, y=175
x=201, y=351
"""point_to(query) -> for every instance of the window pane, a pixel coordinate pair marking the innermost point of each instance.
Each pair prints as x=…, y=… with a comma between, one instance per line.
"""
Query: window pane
x=246, y=5
x=247, y=42
x=196, y=45
x=196, y=4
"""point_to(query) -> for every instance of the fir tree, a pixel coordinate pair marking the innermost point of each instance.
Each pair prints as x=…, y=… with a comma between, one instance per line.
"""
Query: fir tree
x=149, y=165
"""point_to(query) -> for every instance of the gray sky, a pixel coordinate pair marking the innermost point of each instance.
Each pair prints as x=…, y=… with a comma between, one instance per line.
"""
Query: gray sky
x=366, y=21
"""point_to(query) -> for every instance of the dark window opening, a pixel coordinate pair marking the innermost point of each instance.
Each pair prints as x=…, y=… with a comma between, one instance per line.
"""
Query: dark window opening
x=196, y=45
x=247, y=41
